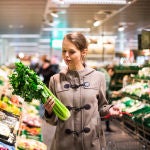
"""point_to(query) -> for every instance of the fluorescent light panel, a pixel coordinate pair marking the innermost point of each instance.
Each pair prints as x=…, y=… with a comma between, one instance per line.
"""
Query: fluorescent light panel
x=44, y=46
x=67, y=29
x=44, y=40
x=21, y=44
x=20, y=36
x=91, y=1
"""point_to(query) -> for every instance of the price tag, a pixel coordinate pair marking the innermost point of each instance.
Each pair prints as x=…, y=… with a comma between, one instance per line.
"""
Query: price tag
x=148, y=83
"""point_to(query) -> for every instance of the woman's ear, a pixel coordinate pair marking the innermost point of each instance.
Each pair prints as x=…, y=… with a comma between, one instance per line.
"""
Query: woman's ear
x=84, y=52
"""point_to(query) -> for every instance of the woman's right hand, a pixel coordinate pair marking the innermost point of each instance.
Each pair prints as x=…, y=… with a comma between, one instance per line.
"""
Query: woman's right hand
x=49, y=105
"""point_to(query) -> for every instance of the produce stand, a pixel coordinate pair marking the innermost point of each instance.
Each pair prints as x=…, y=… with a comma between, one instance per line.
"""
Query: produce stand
x=30, y=134
x=20, y=122
x=9, y=127
x=135, y=99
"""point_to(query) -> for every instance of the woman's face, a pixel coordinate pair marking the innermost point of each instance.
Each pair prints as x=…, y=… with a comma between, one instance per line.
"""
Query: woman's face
x=72, y=56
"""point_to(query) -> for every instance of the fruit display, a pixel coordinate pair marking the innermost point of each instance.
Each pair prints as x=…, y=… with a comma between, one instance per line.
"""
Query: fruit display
x=9, y=105
x=29, y=144
x=30, y=129
x=18, y=120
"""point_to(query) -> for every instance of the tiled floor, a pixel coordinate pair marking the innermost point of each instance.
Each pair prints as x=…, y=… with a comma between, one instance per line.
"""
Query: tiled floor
x=121, y=139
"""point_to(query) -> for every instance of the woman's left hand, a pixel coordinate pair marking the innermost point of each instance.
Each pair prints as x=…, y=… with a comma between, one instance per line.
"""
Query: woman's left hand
x=115, y=111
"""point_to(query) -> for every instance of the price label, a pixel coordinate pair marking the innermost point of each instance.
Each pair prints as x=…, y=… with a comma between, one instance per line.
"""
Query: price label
x=148, y=83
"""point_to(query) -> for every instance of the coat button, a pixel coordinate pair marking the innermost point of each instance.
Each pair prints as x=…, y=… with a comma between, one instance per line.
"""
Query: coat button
x=86, y=130
x=66, y=86
x=68, y=131
x=87, y=107
x=69, y=107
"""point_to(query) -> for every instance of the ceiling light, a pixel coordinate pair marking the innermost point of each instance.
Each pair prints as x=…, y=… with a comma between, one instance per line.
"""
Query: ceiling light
x=121, y=28
x=10, y=26
x=96, y=23
x=129, y=1
x=54, y=14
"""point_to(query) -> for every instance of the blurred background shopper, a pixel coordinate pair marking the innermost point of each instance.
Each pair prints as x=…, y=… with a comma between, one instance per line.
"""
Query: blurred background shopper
x=47, y=70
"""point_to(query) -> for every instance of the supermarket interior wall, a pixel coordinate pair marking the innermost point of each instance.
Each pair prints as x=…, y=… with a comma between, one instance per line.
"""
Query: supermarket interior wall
x=23, y=35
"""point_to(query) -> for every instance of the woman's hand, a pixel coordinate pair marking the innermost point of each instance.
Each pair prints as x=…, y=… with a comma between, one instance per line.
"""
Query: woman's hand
x=115, y=111
x=49, y=105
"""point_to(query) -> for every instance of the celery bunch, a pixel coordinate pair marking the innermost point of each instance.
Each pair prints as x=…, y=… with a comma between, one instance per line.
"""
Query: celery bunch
x=27, y=84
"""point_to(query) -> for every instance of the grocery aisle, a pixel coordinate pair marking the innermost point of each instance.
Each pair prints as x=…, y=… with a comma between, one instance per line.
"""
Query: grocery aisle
x=120, y=139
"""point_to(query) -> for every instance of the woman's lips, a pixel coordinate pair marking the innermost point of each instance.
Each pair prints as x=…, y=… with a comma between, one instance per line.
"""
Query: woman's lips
x=67, y=61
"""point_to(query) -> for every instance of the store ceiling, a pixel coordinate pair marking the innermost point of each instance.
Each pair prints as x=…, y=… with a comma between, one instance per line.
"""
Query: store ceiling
x=31, y=16
x=21, y=16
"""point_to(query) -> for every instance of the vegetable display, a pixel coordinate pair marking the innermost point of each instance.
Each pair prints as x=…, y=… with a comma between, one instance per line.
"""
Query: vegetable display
x=27, y=84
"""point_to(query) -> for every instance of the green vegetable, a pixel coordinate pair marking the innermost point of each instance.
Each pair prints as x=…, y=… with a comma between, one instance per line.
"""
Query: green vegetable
x=1, y=82
x=27, y=84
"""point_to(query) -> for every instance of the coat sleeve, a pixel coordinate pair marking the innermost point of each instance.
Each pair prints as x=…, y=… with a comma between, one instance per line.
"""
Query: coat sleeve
x=102, y=101
x=52, y=119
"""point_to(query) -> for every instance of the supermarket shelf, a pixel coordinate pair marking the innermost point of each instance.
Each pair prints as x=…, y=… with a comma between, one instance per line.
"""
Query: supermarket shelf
x=126, y=71
x=141, y=132
x=147, y=100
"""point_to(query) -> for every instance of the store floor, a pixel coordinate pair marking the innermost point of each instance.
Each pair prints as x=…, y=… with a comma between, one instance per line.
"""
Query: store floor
x=120, y=139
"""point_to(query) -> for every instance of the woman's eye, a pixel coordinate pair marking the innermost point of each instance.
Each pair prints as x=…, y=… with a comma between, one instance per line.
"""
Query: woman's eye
x=72, y=52
x=64, y=51
x=69, y=52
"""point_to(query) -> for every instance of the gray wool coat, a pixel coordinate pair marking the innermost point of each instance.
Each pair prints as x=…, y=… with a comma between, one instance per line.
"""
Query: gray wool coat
x=83, y=92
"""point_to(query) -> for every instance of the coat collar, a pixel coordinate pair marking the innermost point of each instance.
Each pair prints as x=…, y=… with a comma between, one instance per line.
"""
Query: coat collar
x=82, y=73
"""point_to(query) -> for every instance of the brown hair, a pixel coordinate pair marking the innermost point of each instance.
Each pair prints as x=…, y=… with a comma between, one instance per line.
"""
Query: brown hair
x=78, y=39
x=112, y=67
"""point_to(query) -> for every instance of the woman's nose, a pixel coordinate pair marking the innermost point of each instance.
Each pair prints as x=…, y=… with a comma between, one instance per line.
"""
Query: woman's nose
x=66, y=54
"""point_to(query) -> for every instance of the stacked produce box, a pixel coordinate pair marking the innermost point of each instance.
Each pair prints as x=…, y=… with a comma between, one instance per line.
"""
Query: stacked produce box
x=30, y=130
x=20, y=122
x=10, y=112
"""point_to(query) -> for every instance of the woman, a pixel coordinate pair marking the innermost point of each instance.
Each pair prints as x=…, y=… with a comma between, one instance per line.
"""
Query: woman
x=82, y=90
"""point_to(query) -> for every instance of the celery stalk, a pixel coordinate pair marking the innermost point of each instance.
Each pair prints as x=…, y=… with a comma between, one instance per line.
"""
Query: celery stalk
x=27, y=84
